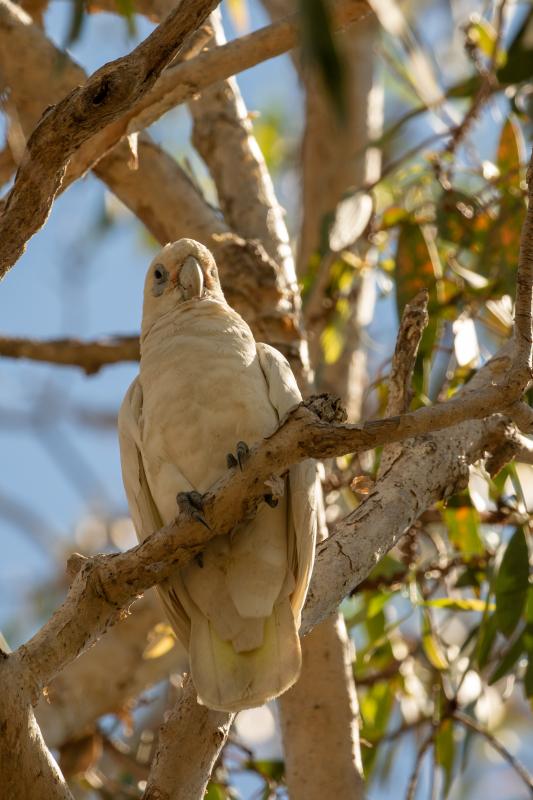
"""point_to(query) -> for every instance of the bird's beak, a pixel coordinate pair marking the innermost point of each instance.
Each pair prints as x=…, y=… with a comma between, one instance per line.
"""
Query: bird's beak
x=191, y=278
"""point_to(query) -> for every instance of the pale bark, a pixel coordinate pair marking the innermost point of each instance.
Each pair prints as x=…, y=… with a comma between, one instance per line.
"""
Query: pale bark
x=223, y=135
x=319, y=719
x=27, y=768
x=108, y=677
x=158, y=191
x=80, y=115
x=190, y=740
x=182, y=82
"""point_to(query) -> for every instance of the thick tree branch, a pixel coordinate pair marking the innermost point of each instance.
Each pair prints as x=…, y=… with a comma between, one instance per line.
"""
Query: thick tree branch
x=7, y=165
x=90, y=356
x=158, y=191
x=182, y=82
x=105, y=584
x=117, y=669
x=191, y=734
x=86, y=110
x=223, y=135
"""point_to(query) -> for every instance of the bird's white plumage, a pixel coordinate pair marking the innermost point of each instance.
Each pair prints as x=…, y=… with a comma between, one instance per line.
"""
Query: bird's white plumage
x=204, y=385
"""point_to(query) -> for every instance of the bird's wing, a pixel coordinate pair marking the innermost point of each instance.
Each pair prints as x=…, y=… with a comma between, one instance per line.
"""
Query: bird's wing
x=144, y=512
x=303, y=477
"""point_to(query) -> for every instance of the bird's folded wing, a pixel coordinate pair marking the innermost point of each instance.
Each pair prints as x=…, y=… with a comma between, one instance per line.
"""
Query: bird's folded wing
x=303, y=477
x=144, y=513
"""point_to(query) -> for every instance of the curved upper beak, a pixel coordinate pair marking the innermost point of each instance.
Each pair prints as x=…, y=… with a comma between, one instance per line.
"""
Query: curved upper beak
x=191, y=278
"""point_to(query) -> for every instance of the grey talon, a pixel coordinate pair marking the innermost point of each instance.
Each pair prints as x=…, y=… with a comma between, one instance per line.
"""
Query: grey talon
x=231, y=461
x=196, y=499
x=201, y=519
x=192, y=504
x=243, y=453
x=271, y=501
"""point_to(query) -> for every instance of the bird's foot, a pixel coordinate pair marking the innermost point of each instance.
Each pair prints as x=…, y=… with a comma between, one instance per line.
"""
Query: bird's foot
x=192, y=504
x=270, y=500
x=243, y=454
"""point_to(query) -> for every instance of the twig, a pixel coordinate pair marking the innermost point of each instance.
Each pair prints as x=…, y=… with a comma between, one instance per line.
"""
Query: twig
x=107, y=95
x=411, y=789
x=487, y=88
x=413, y=323
x=90, y=356
x=518, y=767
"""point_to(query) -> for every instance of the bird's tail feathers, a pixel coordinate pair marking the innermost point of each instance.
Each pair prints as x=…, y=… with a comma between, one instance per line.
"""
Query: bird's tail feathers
x=230, y=681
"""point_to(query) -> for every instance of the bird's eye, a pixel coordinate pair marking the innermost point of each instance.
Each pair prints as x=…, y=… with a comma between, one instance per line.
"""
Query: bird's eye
x=160, y=280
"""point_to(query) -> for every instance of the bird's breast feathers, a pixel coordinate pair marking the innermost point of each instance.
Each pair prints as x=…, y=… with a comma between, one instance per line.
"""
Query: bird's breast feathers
x=203, y=391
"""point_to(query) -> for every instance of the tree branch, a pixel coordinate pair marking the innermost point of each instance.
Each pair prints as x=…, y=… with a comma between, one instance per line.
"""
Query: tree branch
x=117, y=669
x=223, y=135
x=158, y=191
x=90, y=356
x=105, y=584
x=198, y=743
x=412, y=325
x=182, y=82
x=518, y=767
x=106, y=95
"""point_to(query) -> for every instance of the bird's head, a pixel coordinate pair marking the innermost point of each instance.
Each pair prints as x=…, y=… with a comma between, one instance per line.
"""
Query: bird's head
x=182, y=272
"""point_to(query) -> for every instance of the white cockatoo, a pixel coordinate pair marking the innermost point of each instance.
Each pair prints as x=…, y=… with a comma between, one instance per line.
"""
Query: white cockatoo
x=205, y=385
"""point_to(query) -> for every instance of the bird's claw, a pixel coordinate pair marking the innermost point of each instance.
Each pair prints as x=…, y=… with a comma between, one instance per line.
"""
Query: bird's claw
x=192, y=504
x=243, y=453
x=270, y=500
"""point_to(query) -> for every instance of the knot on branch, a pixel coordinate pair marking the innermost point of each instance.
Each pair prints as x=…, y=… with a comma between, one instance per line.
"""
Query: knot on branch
x=327, y=407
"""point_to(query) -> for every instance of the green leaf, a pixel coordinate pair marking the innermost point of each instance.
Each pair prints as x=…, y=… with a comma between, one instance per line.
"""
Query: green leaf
x=431, y=645
x=529, y=605
x=414, y=269
x=512, y=583
x=273, y=769
x=215, y=791
x=463, y=530
x=486, y=635
x=126, y=8
x=482, y=34
x=319, y=48
x=518, y=66
x=508, y=660
x=392, y=217
x=373, y=604
x=376, y=705
x=445, y=751
x=77, y=21
x=528, y=677
x=459, y=604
